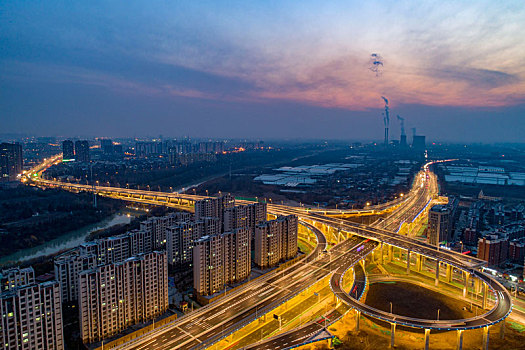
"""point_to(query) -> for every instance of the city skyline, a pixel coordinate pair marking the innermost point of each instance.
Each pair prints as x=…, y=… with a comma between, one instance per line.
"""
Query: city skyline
x=263, y=70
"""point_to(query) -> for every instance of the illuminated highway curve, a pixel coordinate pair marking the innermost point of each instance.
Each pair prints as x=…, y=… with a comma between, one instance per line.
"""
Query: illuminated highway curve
x=343, y=261
x=499, y=312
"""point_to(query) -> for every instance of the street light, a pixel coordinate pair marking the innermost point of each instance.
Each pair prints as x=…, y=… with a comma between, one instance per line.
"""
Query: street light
x=438, y=315
x=390, y=307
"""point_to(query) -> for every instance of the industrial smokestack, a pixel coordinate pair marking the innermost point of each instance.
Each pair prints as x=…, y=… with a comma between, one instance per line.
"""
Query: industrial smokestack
x=386, y=119
x=402, y=121
x=403, y=136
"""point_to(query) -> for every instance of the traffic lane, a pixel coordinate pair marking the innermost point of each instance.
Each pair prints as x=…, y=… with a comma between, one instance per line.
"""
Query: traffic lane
x=197, y=326
x=293, y=338
x=318, y=274
x=483, y=320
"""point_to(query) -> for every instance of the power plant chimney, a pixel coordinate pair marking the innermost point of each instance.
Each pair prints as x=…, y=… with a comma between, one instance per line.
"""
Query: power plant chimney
x=403, y=136
x=386, y=119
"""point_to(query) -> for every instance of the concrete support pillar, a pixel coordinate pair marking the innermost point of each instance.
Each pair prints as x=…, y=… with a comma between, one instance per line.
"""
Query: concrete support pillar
x=466, y=277
x=357, y=317
x=436, y=282
x=390, y=253
x=502, y=330
x=427, y=338
x=459, y=342
x=485, y=296
x=485, y=345
x=381, y=254
x=408, y=262
x=450, y=271
x=392, y=334
x=419, y=262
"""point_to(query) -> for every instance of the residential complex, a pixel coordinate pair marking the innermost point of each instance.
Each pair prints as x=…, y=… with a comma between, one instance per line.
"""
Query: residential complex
x=122, y=280
x=67, y=268
x=221, y=259
x=181, y=238
x=214, y=207
x=275, y=241
x=113, y=297
x=30, y=313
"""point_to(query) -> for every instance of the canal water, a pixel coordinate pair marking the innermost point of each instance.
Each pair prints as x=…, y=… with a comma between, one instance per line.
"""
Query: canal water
x=68, y=240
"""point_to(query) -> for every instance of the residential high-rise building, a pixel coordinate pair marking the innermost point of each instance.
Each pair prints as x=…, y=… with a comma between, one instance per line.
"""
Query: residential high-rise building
x=67, y=268
x=275, y=241
x=237, y=255
x=158, y=226
x=441, y=221
x=115, y=296
x=31, y=316
x=140, y=242
x=214, y=207
x=82, y=151
x=107, y=146
x=113, y=250
x=143, y=149
x=181, y=238
x=15, y=277
x=11, y=161
x=208, y=264
x=439, y=224
x=245, y=216
x=221, y=259
x=68, y=150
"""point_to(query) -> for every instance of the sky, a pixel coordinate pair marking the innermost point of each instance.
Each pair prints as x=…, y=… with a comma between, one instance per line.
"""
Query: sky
x=454, y=70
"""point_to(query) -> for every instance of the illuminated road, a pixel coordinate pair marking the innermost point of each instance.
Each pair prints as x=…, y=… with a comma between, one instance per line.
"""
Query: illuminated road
x=495, y=315
x=213, y=322
x=206, y=325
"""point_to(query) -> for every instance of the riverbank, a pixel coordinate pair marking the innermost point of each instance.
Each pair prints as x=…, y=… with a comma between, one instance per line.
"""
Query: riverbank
x=69, y=239
x=31, y=217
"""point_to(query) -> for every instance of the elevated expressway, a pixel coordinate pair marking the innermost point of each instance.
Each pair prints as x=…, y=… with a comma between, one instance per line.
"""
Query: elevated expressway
x=207, y=325
x=186, y=201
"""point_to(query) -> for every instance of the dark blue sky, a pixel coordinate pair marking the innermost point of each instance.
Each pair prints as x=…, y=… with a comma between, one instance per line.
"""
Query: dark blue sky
x=268, y=69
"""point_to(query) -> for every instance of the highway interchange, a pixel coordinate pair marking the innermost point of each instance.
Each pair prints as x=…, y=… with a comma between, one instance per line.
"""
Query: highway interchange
x=205, y=326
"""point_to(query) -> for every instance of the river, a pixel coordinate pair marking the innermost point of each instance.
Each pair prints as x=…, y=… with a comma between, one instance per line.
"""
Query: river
x=68, y=240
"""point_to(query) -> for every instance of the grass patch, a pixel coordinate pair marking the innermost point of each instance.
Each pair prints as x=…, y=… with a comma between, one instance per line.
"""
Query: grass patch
x=305, y=248
x=516, y=326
